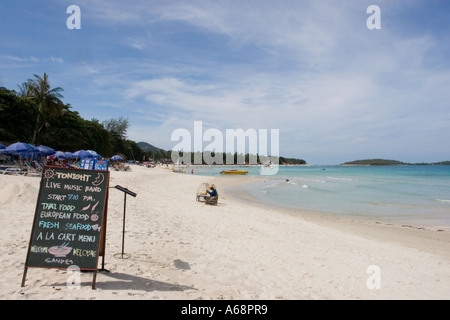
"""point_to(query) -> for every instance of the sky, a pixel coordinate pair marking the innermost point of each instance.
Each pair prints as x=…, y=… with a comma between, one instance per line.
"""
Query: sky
x=335, y=89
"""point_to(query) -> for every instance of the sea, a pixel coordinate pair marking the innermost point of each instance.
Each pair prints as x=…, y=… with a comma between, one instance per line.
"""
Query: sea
x=414, y=194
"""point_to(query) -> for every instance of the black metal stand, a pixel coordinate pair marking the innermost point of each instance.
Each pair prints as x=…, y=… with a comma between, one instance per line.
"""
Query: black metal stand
x=131, y=193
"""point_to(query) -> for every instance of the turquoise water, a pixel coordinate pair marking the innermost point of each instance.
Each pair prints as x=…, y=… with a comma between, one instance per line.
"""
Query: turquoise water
x=414, y=194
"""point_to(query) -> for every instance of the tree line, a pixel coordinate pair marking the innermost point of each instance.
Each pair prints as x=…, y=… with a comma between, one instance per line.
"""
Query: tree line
x=237, y=158
x=35, y=114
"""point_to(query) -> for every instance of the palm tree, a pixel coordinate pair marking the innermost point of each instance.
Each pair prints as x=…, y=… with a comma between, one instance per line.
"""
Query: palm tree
x=47, y=100
x=24, y=90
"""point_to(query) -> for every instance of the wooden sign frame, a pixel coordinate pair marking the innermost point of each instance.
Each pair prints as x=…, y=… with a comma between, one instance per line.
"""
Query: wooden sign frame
x=69, y=226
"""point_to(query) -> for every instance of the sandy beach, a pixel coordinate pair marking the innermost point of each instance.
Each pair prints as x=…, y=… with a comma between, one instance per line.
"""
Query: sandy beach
x=178, y=248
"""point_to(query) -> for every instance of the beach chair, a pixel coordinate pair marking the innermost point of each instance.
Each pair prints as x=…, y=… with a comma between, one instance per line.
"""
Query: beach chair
x=31, y=170
x=14, y=170
x=38, y=165
x=21, y=165
x=212, y=200
x=75, y=165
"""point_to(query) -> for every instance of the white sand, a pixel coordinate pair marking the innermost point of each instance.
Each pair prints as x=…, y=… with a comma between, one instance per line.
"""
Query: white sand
x=178, y=248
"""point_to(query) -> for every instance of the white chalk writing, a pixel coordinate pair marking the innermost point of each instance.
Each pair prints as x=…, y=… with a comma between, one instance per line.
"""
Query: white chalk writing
x=73, y=176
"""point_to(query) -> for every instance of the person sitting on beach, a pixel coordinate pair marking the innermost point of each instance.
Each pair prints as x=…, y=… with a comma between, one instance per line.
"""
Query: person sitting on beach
x=213, y=196
x=213, y=192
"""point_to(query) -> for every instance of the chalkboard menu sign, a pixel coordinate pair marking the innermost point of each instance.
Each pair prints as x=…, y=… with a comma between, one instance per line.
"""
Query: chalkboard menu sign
x=69, y=218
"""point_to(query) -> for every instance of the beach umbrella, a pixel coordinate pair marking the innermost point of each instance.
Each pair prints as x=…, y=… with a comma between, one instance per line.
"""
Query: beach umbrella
x=22, y=150
x=20, y=147
x=116, y=157
x=82, y=154
x=59, y=155
x=95, y=154
x=29, y=155
x=45, y=150
x=68, y=155
x=2, y=148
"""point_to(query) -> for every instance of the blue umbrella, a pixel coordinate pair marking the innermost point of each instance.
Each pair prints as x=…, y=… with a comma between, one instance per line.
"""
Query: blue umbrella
x=116, y=157
x=20, y=147
x=95, y=154
x=2, y=148
x=82, y=154
x=68, y=155
x=46, y=150
x=59, y=155
x=28, y=155
x=23, y=150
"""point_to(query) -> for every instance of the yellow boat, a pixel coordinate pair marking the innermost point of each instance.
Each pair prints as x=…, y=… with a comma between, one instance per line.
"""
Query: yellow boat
x=241, y=172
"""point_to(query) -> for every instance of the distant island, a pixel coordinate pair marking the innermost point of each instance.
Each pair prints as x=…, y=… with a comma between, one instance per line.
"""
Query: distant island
x=442, y=163
x=374, y=162
x=385, y=162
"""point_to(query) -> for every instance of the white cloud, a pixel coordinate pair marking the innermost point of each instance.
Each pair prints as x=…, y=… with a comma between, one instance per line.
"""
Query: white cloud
x=19, y=59
x=58, y=60
x=31, y=59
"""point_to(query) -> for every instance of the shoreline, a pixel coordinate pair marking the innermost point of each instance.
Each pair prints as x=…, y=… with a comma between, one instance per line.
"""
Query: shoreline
x=178, y=248
x=370, y=227
x=349, y=217
x=412, y=222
